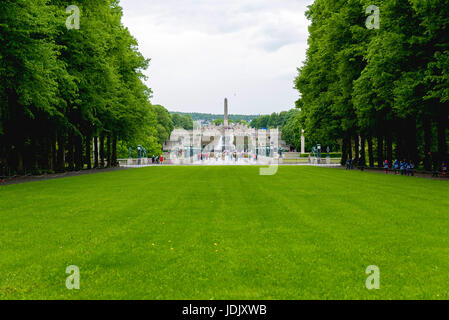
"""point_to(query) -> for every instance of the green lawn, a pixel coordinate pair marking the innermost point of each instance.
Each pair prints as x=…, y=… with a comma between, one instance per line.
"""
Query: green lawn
x=225, y=233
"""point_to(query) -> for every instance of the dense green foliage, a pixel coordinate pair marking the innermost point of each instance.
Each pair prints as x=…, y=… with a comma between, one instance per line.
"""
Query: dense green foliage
x=274, y=120
x=211, y=117
x=295, y=235
x=288, y=122
x=151, y=135
x=382, y=90
x=64, y=91
x=182, y=121
x=218, y=122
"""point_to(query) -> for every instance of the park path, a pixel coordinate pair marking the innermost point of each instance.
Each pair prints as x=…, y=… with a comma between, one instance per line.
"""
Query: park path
x=30, y=178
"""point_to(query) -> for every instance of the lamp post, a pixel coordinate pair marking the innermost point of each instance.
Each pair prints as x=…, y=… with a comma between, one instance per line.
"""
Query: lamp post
x=139, y=153
x=318, y=147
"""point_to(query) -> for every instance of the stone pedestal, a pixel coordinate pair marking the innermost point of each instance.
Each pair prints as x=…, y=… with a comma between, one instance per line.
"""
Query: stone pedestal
x=303, y=143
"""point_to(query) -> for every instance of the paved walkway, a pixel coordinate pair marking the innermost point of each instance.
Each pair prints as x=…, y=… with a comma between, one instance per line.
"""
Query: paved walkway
x=230, y=164
x=30, y=178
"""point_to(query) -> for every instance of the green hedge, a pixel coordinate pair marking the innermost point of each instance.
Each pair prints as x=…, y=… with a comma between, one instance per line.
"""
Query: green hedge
x=324, y=155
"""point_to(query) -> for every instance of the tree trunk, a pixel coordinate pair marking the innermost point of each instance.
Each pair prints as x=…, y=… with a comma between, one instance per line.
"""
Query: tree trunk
x=88, y=143
x=380, y=150
x=389, y=146
x=108, y=150
x=95, y=152
x=61, y=152
x=78, y=153
x=412, y=141
x=399, y=146
x=350, y=148
x=362, y=150
x=356, y=149
x=441, y=133
x=370, y=151
x=114, y=151
x=427, y=143
x=344, y=152
x=101, y=150
x=33, y=158
x=53, y=152
x=20, y=162
x=71, y=154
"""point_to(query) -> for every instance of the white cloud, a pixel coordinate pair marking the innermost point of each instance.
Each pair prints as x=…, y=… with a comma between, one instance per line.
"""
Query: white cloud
x=204, y=50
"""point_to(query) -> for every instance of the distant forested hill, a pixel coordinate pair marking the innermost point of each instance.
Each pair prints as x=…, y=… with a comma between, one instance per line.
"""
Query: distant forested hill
x=211, y=117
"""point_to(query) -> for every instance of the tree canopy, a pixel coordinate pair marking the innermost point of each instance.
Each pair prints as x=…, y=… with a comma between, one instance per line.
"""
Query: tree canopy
x=386, y=87
x=64, y=91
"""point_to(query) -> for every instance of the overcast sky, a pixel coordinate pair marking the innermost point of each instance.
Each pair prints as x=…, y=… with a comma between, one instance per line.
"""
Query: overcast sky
x=202, y=51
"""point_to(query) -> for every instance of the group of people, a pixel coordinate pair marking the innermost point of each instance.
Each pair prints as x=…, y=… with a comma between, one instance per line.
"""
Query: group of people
x=444, y=168
x=226, y=155
x=351, y=163
x=402, y=167
x=157, y=159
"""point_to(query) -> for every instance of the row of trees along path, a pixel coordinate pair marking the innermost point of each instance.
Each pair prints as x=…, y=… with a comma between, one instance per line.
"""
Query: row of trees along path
x=388, y=86
x=65, y=91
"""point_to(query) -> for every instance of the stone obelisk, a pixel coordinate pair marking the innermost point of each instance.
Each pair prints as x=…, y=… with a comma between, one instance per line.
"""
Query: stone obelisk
x=303, y=142
x=226, y=112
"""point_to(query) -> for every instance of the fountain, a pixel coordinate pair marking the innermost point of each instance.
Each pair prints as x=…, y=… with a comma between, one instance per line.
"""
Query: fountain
x=223, y=144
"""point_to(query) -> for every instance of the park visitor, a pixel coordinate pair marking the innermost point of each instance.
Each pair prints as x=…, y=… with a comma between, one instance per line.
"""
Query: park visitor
x=396, y=166
x=402, y=167
x=407, y=167
x=444, y=168
x=412, y=168
x=386, y=166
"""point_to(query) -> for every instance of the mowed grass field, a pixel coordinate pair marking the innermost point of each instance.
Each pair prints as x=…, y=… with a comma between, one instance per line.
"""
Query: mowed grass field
x=225, y=233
